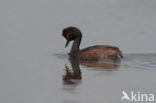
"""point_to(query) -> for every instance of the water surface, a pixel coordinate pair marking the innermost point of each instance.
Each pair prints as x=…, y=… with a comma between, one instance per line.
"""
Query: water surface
x=33, y=58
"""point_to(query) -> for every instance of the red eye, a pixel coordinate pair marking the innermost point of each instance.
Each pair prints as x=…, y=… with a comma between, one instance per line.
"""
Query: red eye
x=68, y=36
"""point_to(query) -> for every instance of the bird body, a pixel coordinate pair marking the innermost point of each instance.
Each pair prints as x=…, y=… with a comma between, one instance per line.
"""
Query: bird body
x=98, y=52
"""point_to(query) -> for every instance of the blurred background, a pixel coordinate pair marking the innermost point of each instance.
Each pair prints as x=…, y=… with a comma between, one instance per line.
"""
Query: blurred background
x=30, y=35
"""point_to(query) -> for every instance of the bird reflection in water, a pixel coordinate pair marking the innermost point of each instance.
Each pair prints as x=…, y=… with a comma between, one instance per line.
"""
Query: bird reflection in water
x=73, y=76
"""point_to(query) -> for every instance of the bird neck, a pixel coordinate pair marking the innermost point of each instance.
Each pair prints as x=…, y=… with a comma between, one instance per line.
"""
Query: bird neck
x=76, y=45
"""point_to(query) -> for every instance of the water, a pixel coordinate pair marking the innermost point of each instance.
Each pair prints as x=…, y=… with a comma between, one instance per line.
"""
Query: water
x=33, y=57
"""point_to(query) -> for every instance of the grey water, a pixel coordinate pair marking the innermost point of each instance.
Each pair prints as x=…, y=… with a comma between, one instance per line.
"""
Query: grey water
x=33, y=59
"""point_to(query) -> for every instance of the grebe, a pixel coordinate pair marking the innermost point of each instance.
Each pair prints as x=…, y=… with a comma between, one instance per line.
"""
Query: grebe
x=97, y=52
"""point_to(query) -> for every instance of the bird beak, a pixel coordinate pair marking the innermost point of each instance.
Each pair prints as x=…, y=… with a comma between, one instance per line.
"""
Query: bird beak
x=67, y=43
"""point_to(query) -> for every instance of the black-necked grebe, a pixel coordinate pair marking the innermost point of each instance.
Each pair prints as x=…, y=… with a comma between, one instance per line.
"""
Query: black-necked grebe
x=98, y=52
